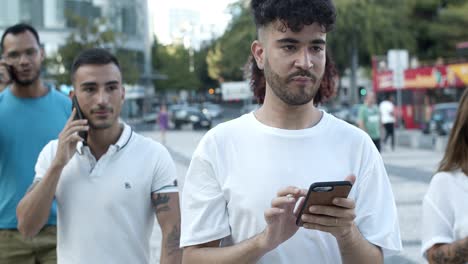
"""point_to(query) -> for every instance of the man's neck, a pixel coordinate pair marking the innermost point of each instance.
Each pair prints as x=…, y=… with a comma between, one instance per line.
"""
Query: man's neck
x=100, y=140
x=276, y=113
x=33, y=90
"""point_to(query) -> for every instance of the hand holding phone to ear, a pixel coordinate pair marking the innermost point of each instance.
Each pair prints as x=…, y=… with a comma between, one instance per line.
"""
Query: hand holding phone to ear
x=79, y=115
x=5, y=76
x=68, y=139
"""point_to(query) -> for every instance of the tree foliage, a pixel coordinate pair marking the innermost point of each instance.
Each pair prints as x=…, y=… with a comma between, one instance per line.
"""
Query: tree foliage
x=229, y=53
x=174, y=61
x=92, y=34
x=428, y=29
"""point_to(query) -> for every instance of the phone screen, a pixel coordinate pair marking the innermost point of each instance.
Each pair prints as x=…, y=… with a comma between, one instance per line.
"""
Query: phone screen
x=79, y=115
x=323, y=193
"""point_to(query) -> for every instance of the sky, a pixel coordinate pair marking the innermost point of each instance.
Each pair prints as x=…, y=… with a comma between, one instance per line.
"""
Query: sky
x=211, y=12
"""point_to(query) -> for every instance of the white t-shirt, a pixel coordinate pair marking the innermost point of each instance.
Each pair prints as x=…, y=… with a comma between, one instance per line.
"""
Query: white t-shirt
x=240, y=165
x=445, y=210
x=104, y=208
x=387, y=112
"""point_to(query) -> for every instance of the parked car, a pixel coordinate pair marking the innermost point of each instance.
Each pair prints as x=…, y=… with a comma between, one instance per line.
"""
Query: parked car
x=187, y=115
x=442, y=118
x=151, y=117
x=249, y=108
x=212, y=110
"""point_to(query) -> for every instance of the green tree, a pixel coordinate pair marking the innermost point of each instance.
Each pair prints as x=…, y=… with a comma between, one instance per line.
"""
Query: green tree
x=230, y=52
x=214, y=62
x=201, y=69
x=174, y=62
x=369, y=28
x=426, y=28
x=437, y=26
x=92, y=34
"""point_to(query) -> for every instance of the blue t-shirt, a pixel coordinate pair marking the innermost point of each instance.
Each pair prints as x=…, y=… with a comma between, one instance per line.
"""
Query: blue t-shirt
x=26, y=126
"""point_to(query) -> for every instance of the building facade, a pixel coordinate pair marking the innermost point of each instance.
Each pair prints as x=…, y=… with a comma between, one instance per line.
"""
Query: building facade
x=52, y=18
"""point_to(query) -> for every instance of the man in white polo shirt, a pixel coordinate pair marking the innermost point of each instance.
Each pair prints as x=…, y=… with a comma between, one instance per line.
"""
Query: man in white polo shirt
x=108, y=183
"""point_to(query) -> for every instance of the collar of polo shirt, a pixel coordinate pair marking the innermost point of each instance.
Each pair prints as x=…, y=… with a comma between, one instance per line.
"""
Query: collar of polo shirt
x=120, y=144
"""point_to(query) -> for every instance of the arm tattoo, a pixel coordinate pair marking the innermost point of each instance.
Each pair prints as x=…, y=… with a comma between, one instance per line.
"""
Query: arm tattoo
x=173, y=241
x=160, y=204
x=457, y=253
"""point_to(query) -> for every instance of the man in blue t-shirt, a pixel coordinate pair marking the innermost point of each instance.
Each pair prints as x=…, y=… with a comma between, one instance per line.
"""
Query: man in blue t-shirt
x=31, y=115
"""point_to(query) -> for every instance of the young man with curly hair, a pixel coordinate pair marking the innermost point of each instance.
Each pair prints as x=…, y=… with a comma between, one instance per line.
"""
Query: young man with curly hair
x=247, y=175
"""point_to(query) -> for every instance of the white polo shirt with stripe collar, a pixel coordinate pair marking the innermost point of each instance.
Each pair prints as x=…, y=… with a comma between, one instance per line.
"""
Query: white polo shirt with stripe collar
x=105, y=214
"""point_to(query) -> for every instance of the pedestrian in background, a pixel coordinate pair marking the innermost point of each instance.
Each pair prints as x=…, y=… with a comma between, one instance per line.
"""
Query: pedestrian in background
x=387, y=114
x=445, y=207
x=163, y=122
x=109, y=184
x=31, y=115
x=247, y=175
x=369, y=119
x=427, y=113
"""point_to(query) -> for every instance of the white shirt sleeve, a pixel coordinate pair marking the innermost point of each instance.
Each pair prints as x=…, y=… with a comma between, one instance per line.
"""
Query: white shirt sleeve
x=377, y=217
x=436, y=219
x=164, y=177
x=45, y=158
x=203, y=207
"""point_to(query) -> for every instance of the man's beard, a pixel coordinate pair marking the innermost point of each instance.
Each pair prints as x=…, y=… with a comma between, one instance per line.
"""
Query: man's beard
x=287, y=94
x=100, y=126
x=103, y=125
x=26, y=82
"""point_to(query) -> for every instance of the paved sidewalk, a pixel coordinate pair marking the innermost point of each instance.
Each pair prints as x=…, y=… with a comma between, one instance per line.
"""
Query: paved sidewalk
x=410, y=171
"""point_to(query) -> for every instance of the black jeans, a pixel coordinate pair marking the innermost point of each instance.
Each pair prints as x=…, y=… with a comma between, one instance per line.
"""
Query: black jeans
x=389, y=132
x=376, y=143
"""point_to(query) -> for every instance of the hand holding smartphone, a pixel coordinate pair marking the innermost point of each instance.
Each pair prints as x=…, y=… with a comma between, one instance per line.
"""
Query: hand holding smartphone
x=323, y=193
x=79, y=115
x=6, y=73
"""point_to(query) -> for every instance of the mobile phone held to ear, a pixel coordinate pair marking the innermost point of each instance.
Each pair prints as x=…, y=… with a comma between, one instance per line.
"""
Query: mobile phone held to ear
x=9, y=70
x=79, y=115
x=323, y=193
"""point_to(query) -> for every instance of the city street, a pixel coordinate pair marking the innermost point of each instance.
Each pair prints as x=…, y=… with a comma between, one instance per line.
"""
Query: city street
x=409, y=169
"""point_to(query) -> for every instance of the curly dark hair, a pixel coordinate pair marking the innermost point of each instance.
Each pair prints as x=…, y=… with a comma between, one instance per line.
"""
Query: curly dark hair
x=294, y=14
x=327, y=89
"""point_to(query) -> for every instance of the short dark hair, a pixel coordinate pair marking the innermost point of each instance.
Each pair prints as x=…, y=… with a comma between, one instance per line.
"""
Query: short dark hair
x=294, y=14
x=20, y=28
x=94, y=56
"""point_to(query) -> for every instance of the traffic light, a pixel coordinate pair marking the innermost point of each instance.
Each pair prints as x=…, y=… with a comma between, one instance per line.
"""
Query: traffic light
x=211, y=91
x=362, y=91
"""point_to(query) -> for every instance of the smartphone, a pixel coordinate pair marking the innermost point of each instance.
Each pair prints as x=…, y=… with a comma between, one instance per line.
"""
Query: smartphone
x=323, y=193
x=10, y=72
x=79, y=115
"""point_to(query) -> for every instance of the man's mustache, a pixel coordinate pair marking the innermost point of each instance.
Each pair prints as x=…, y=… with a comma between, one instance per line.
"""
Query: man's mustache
x=100, y=109
x=303, y=74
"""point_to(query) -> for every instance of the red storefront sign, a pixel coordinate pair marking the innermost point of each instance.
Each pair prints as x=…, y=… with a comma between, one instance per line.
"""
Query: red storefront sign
x=453, y=75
